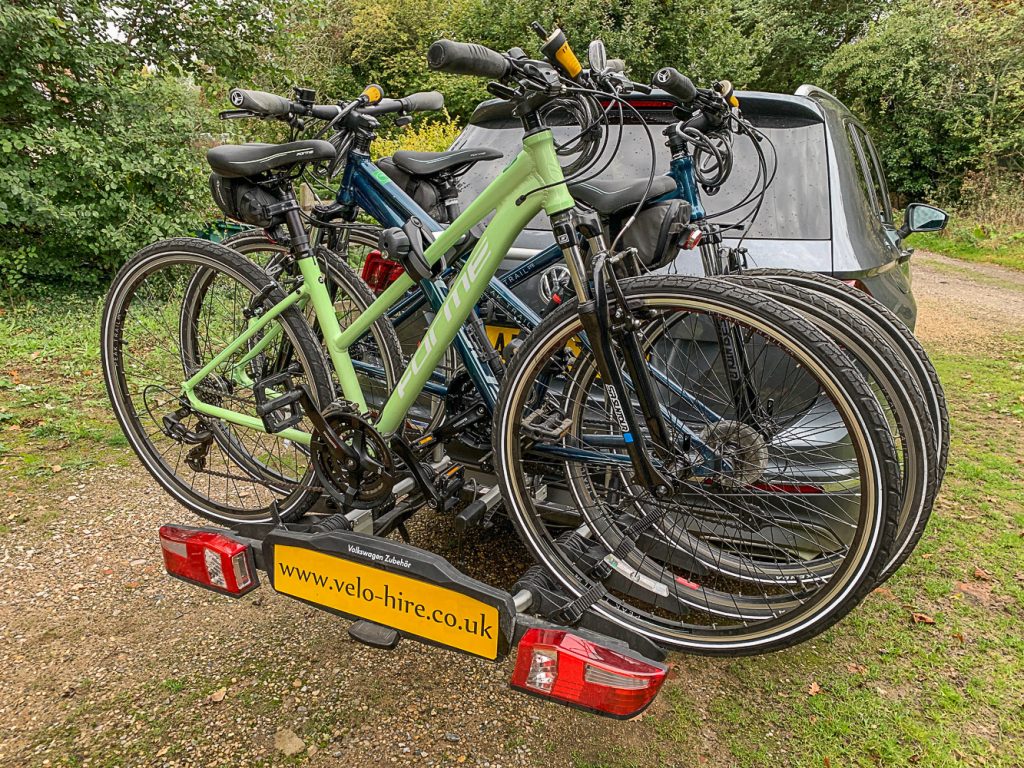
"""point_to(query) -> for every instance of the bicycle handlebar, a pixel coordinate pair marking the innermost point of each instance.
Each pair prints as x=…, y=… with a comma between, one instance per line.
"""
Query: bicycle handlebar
x=675, y=83
x=271, y=105
x=260, y=102
x=467, y=59
x=425, y=101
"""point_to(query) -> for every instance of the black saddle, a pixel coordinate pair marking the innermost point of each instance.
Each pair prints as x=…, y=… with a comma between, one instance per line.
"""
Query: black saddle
x=429, y=163
x=608, y=196
x=236, y=160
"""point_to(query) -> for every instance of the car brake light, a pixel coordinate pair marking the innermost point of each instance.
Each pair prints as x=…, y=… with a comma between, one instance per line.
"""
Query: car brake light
x=558, y=665
x=858, y=285
x=379, y=271
x=789, y=487
x=209, y=559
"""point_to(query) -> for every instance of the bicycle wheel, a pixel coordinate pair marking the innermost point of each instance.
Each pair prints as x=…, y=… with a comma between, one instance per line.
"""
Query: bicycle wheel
x=193, y=456
x=897, y=391
x=380, y=354
x=901, y=337
x=781, y=518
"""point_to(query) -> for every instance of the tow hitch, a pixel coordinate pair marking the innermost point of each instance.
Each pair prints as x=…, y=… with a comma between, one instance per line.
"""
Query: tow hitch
x=390, y=589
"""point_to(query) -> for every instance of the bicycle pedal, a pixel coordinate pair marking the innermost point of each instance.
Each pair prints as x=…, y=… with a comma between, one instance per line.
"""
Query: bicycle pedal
x=282, y=411
x=546, y=423
x=449, y=487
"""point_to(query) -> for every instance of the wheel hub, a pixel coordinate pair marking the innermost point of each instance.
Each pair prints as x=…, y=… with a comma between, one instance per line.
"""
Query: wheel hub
x=742, y=448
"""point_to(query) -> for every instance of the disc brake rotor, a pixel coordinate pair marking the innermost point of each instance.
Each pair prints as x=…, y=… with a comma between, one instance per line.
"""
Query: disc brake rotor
x=742, y=448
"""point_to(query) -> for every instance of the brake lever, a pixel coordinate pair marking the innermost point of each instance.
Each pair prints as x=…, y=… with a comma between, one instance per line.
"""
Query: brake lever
x=237, y=114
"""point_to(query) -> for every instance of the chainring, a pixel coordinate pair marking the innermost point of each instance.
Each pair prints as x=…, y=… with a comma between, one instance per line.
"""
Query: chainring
x=363, y=484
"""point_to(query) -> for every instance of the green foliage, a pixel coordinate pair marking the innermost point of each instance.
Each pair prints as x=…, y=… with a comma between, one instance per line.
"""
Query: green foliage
x=106, y=108
x=794, y=39
x=695, y=36
x=428, y=136
x=941, y=85
x=103, y=141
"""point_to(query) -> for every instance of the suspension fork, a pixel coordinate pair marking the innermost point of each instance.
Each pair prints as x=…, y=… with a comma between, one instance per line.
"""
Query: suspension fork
x=596, y=317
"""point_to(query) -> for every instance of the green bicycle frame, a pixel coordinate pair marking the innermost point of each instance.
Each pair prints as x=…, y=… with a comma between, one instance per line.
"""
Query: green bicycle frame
x=514, y=201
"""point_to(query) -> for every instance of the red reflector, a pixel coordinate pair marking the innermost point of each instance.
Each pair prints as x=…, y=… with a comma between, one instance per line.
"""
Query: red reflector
x=209, y=559
x=564, y=667
x=693, y=239
x=788, y=488
x=379, y=271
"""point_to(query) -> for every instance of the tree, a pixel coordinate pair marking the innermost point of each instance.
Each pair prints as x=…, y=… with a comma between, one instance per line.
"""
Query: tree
x=102, y=142
x=794, y=39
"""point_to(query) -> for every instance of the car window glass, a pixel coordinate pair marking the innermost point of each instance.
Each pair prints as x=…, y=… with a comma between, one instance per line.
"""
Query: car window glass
x=797, y=203
x=869, y=173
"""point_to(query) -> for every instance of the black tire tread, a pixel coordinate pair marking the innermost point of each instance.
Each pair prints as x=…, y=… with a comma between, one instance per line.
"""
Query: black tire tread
x=291, y=317
x=876, y=427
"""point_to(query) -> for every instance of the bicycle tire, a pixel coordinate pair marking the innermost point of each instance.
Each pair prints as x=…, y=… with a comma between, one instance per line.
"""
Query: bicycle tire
x=190, y=255
x=903, y=394
x=899, y=334
x=877, y=521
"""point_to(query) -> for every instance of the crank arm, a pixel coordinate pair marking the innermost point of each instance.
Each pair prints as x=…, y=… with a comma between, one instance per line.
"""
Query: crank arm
x=334, y=441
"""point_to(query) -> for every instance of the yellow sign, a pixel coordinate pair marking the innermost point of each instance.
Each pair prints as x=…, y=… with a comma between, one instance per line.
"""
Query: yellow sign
x=401, y=602
x=501, y=335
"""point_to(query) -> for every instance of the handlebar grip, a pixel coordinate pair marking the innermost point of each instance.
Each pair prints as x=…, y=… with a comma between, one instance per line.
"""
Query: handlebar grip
x=467, y=59
x=425, y=101
x=324, y=111
x=259, y=101
x=615, y=65
x=675, y=83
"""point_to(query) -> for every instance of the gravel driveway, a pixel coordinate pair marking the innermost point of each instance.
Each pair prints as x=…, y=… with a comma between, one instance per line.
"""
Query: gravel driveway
x=106, y=661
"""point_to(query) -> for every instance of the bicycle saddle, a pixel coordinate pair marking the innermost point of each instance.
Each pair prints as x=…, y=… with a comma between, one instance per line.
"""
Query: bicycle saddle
x=236, y=160
x=607, y=196
x=428, y=163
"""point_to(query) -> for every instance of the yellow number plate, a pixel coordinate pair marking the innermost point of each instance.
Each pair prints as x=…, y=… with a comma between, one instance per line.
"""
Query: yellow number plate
x=434, y=613
x=501, y=335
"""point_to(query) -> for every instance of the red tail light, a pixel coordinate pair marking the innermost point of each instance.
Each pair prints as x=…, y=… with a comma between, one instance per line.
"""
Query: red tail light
x=209, y=559
x=379, y=271
x=789, y=487
x=564, y=667
x=858, y=285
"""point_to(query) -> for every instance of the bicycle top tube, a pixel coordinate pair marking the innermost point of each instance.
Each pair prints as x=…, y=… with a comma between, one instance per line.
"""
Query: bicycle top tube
x=367, y=186
x=530, y=183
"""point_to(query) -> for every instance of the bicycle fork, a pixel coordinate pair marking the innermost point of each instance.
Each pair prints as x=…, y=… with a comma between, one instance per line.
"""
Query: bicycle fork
x=602, y=324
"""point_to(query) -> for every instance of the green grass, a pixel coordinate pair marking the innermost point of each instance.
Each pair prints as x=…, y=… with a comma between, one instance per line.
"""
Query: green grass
x=892, y=692
x=971, y=241
x=54, y=417
x=888, y=691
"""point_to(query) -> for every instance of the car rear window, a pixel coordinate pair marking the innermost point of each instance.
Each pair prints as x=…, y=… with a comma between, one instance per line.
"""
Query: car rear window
x=796, y=206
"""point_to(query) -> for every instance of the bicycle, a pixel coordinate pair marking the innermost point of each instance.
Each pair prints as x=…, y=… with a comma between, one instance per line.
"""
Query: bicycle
x=600, y=462
x=700, y=132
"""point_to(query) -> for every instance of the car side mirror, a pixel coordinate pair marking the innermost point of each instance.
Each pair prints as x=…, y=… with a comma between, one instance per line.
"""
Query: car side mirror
x=920, y=217
x=597, y=56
